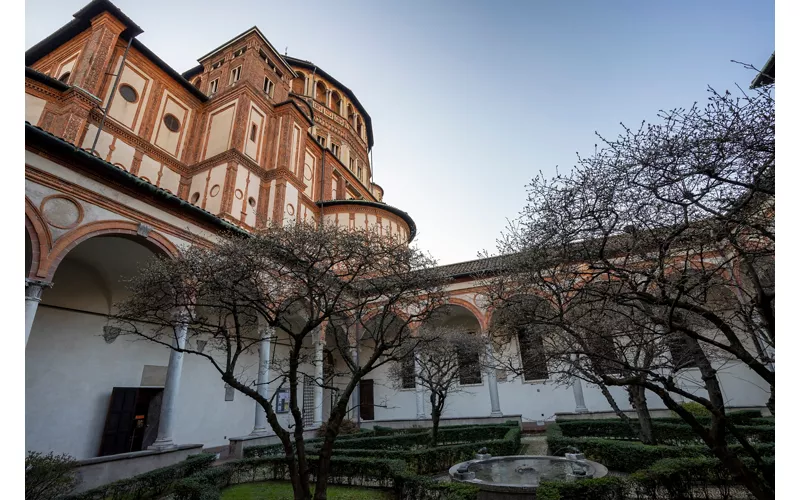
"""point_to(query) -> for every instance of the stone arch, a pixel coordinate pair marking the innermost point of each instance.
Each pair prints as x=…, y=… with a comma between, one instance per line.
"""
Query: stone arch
x=479, y=315
x=39, y=237
x=156, y=241
x=299, y=84
x=336, y=102
x=320, y=91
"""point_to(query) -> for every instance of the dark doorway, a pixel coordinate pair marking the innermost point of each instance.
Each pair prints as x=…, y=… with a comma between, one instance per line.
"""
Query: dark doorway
x=132, y=420
x=366, y=400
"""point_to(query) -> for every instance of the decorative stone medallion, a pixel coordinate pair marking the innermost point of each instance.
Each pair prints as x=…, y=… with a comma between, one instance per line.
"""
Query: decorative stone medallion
x=61, y=211
x=239, y=194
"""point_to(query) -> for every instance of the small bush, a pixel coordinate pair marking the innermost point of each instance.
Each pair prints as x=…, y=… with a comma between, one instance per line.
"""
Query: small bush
x=49, y=476
x=695, y=409
x=347, y=427
x=604, y=488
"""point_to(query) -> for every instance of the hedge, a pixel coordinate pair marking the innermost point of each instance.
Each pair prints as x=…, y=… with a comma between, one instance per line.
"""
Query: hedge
x=680, y=478
x=431, y=460
x=385, y=438
x=663, y=432
x=630, y=456
x=603, y=488
x=153, y=484
x=208, y=484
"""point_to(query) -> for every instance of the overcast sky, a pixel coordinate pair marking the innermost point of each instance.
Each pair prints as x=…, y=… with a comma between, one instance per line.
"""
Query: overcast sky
x=470, y=99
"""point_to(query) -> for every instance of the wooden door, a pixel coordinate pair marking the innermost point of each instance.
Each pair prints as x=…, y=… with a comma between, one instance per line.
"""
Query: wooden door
x=366, y=400
x=118, y=430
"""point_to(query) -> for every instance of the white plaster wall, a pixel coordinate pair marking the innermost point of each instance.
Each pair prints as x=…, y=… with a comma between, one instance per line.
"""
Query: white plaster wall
x=291, y=204
x=103, y=142
x=170, y=180
x=252, y=147
x=33, y=108
x=127, y=113
x=213, y=202
x=169, y=141
x=219, y=131
x=309, y=173
x=149, y=169
x=123, y=154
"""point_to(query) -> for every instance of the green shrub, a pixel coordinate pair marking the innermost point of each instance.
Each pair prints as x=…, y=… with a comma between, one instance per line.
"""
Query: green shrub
x=630, y=456
x=604, y=488
x=347, y=427
x=695, y=409
x=49, y=476
x=151, y=484
x=680, y=478
x=665, y=432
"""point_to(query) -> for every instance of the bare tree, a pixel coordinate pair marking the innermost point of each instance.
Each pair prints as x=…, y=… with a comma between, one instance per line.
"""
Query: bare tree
x=310, y=284
x=661, y=246
x=439, y=362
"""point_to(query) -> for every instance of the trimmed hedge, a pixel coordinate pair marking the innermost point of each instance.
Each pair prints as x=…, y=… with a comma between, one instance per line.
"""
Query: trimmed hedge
x=431, y=460
x=680, y=478
x=153, y=484
x=208, y=484
x=664, y=432
x=631, y=456
x=604, y=488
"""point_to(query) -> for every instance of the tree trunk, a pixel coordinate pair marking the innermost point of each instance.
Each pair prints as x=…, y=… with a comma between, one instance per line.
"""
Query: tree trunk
x=638, y=401
x=771, y=400
x=435, y=416
x=614, y=406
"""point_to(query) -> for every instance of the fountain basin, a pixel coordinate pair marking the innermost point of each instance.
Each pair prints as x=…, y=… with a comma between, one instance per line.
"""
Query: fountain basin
x=517, y=477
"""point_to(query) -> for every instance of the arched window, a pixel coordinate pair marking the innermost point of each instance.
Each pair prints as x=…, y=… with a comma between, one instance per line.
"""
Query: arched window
x=469, y=367
x=336, y=102
x=321, y=90
x=299, y=84
x=358, y=125
x=63, y=78
x=197, y=81
x=531, y=350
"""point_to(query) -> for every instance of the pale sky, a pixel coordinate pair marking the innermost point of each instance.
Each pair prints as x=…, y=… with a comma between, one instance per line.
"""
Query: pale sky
x=470, y=99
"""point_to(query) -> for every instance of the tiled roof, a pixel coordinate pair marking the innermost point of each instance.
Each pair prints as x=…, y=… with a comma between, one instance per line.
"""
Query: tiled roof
x=472, y=267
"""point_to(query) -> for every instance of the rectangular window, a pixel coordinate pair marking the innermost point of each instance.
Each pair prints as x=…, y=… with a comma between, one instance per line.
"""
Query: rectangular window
x=359, y=172
x=239, y=52
x=321, y=140
x=253, y=131
x=603, y=355
x=235, y=74
x=212, y=89
x=335, y=150
x=269, y=87
x=352, y=164
x=469, y=368
x=409, y=378
x=531, y=350
x=217, y=64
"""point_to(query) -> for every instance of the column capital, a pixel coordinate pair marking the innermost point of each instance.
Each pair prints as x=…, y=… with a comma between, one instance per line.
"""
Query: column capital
x=34, y=288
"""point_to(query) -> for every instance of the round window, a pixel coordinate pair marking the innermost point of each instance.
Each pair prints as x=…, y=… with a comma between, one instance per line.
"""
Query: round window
x=127, y=93
x=172, y=123
x=195, y=197
x=252, y=202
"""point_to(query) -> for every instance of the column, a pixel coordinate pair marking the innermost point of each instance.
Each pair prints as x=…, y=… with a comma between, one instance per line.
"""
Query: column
x=355, y=398
x=328, y=98
x=262, y=388
x=577, y=390
x=33, y=294
x=166, y=423
x=318, y=374
x=494, y=395
x=420, y=391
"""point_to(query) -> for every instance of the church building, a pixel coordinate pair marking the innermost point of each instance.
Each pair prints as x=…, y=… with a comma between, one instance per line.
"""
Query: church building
x=126, y=158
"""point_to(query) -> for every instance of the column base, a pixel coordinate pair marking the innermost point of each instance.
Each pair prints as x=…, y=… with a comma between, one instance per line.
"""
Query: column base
x=260, y=432
x=497, y=413
x=581, y=409
x=421, y=416
x=162, y=445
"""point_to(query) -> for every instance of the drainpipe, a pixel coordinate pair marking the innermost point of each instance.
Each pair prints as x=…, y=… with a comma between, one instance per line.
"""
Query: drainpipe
x=111, y=97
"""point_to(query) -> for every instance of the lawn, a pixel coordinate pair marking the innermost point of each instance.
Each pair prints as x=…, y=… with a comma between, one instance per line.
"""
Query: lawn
x=279, y=490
